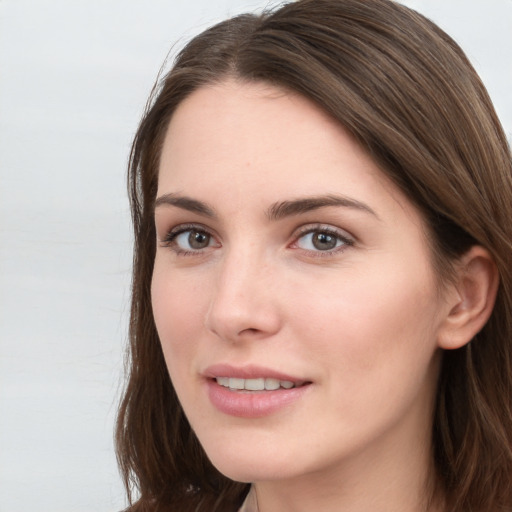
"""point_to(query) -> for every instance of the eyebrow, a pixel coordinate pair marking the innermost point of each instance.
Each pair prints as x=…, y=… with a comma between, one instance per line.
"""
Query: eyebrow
x=185, y=203
x=307, y=204
x=276, y=211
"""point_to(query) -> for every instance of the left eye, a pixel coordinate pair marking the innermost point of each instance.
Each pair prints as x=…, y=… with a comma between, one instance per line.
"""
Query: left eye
x=321, y=241
x=192, y=239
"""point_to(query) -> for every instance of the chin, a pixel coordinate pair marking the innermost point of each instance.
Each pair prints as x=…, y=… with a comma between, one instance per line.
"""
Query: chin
x=253, y=466
x=239, y=471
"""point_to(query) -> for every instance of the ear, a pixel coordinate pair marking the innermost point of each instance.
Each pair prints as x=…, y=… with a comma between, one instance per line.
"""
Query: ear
x=470, y=299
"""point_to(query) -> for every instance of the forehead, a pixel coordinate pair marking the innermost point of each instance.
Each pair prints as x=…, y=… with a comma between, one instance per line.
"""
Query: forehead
x=233, y=128
x=237, y=140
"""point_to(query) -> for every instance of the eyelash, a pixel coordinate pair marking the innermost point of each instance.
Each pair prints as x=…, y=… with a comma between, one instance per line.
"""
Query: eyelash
x=171, y=237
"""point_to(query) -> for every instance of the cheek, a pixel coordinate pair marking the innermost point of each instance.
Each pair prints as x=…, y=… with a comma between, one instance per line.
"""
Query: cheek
x=371, y=322
x=178, y=306
x=376, y=347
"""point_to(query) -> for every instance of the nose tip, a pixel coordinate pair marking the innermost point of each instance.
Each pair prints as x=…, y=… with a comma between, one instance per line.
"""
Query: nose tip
x=244, y=306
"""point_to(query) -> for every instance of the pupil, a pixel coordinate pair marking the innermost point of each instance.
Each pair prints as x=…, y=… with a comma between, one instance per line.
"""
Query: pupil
x=198, y=240
x=324, y=241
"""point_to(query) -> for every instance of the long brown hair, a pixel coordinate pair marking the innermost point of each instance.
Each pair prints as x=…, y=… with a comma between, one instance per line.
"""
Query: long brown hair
x=408, y=94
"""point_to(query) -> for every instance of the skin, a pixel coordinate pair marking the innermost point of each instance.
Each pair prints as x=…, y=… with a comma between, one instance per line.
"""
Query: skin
x=361, y=322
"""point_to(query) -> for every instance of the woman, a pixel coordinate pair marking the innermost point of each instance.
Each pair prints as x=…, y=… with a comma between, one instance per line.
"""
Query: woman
x=322, y=295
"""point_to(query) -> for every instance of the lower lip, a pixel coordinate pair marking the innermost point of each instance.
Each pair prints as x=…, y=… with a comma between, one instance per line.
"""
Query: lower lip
x=252, y=404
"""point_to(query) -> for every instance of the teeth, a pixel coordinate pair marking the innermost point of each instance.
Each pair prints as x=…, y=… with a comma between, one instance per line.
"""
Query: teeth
x=236, y=383
x=254, y=384
x=271, y=384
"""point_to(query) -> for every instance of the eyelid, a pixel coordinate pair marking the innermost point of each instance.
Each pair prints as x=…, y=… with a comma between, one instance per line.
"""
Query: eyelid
x=171, y=234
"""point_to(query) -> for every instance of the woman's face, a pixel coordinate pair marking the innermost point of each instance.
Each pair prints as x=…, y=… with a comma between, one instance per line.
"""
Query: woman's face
x=287, y=261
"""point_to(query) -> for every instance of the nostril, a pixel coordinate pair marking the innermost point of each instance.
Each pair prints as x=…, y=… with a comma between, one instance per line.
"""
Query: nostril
x=249, y=330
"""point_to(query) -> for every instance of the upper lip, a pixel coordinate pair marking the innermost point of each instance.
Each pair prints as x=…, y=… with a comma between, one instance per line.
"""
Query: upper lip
x=247, y=372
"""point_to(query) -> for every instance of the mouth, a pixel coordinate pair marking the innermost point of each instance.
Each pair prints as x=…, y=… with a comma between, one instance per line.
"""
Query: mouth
x=253, y=391
x=245, y=393
x=257, y=384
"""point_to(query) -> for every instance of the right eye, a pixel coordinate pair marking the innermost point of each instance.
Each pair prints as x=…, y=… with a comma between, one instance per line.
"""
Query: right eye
x=193, y=239
x=187, y=240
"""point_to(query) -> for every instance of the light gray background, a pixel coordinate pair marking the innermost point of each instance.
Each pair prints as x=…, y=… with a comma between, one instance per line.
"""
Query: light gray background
x=74, y=77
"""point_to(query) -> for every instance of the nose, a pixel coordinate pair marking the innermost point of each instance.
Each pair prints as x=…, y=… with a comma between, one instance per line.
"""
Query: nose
x=244, y=305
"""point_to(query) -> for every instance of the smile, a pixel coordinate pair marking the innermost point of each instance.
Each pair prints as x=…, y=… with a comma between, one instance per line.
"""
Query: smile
x=254, y=397
x=258, y=384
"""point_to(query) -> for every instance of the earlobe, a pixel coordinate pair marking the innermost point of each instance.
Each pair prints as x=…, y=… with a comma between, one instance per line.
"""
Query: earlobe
x=473, y=297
